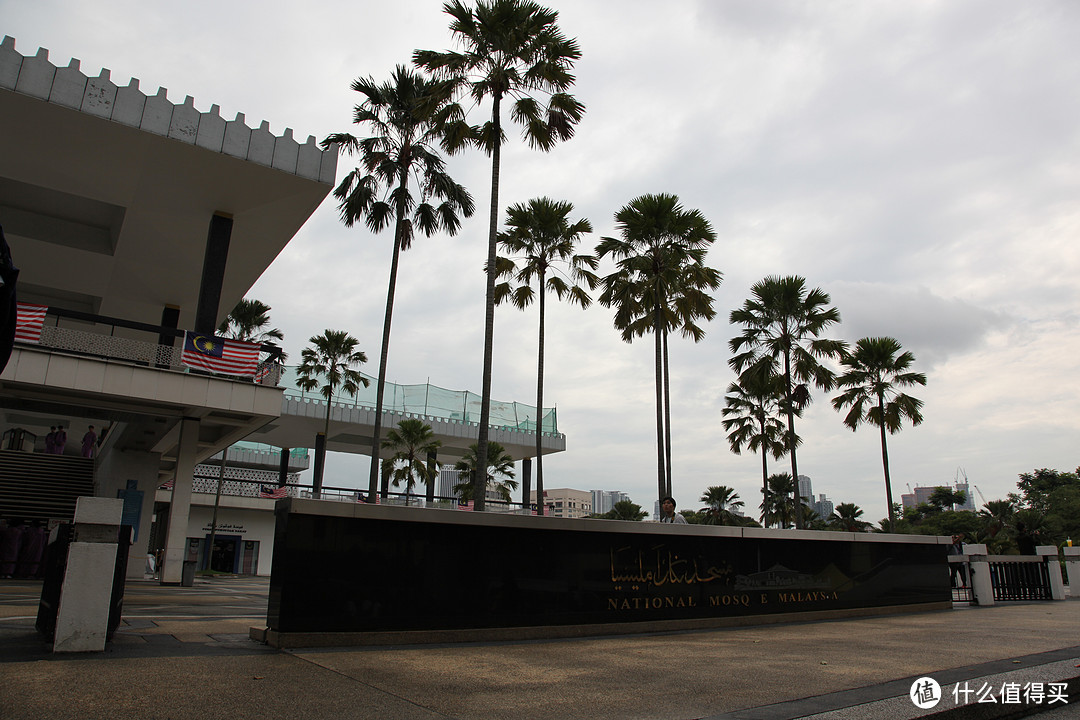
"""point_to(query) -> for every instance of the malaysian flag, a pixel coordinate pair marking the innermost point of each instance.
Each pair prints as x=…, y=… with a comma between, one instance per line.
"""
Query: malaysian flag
x=276, y=492
x=28, y=322
x=215, y=354
x=167, y=485
x=464, y=505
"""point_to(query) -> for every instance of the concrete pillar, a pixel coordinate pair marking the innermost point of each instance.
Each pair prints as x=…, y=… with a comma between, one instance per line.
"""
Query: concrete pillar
x=1072, y=570
x=526, y=481
x=283, y=467
x=82, y=619
x=170, y=318
x=213, y=273
x=176, y=539
x=115, y=473
x=1049, y=555
x=982, y=589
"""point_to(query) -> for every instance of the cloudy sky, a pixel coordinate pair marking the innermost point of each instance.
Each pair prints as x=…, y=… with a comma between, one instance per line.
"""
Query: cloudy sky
x=918, y=161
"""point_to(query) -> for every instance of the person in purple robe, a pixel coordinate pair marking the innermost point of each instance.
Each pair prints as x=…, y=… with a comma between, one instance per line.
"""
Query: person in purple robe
x=89, y=443
x=50, y=440
x=59, y=440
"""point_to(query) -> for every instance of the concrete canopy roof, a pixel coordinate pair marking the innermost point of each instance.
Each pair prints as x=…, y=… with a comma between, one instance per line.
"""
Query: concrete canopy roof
x=106, y=198
x=113, y=217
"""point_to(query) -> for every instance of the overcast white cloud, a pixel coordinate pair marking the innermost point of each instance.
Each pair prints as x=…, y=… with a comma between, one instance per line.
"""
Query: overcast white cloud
x=919, y=161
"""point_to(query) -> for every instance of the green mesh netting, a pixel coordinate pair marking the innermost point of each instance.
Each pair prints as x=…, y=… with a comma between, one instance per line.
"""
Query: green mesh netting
x=433, y=401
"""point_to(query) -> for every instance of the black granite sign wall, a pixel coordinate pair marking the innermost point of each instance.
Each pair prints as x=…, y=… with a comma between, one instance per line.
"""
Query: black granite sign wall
x=349, y=574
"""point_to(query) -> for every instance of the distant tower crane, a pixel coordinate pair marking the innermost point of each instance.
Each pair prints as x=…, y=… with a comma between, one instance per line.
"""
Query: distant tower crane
x=983, y=497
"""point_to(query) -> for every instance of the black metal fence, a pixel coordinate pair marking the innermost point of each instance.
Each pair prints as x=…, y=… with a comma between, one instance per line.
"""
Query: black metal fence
x=1020, y=578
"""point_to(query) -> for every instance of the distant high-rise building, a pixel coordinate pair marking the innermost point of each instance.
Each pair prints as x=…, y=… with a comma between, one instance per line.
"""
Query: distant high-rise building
x=823, y=507
x=604, y=500
x=969, y=499
x=806, y=491
x=566, y=502
x=922, y=495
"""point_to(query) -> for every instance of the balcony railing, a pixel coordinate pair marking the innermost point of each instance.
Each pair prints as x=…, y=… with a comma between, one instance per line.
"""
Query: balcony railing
x=163, y=352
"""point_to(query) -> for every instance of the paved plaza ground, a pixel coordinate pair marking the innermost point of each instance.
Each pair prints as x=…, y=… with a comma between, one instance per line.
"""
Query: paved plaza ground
x=185, y=653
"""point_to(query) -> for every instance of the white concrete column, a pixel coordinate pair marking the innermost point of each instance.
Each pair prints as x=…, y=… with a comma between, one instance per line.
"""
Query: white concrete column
x=176, y=538
x=981, y=587
x=1049, y=555
x=82, y=618
x=1072, y=570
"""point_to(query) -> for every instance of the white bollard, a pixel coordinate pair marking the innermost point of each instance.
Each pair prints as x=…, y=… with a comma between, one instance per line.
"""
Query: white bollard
x=1072, y=570
x=82, y=620
x=982, y=589
x=1049, y=555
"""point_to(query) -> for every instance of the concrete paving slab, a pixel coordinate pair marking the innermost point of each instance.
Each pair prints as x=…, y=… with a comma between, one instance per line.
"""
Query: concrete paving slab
x=185, y=653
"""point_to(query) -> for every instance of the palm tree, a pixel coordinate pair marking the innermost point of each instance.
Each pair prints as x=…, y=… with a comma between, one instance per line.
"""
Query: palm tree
x=334, y=357
x=411, y=442
x=403, y=117
x=660, y=283
x=782, y=326
x=247, y=322
x=995, y=518
x=510, y=50
x=721, y=502
x=543, y=239
x=500, y=473
x=846, y=517
x=750, y=412
x=874, y=374
x=778, y=505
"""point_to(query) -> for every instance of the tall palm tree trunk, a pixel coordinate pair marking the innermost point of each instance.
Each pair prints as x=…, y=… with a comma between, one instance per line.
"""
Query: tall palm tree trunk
x=661, y=478
x=667, y=415
x=320, y=461
x=791, y=441
x=540, y=405
x=764, y=477
x=431, y=477
x=885, y=464
x=384, y=353
x=479, y=482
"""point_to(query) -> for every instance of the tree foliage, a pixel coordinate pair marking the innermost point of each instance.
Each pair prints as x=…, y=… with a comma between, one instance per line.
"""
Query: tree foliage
x=499, y=477
x=401, y=180
x=332, y=358
x=509, y=50
x=410, y=443
x=783, y=323
x=875, y=372
x=752, y=420
x=661, y=284
x=539, y=247
x=624, y=510
x=721, y=504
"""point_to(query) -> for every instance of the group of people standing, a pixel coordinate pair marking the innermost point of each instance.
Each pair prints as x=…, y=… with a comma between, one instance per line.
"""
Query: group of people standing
x=56, y=441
